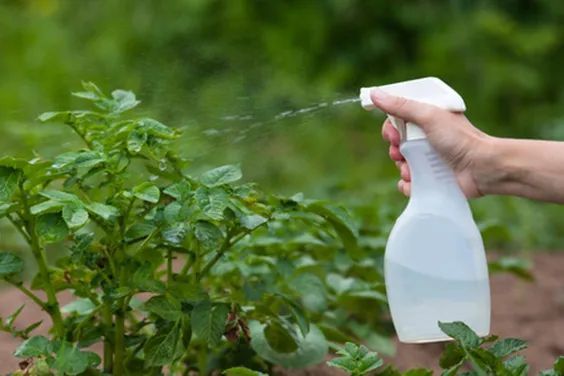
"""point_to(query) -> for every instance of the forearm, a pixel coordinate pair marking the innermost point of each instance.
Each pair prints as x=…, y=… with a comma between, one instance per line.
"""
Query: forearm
x=527, y=168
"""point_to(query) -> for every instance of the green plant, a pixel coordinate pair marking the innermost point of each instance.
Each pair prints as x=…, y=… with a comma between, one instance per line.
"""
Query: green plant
x=168, y=269
x=468, y=355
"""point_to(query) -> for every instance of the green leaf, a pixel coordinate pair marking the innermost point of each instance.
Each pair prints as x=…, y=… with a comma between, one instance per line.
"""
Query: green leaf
x=311, y=290
x=71, y=360
x=312, y=348
x=208, y=321
x=162, y=348
x=80, y=306
x=452, y=355
x=60, y=196
x=53, y=116
x=106, y=212
x=49, y=206
x=242, y=371
x=517, y=365
x=253, y=221
x=164, y=306
x=559, y=365
x=209, y=235
x=507, y=346
x=174, y=234
x=123, y=100
x=461, y=333
x=155, y=128
x=34, y=346
x=51, y=228
x=517, y=266
x=139, y=231
x=279, y=338
x=10, y=264
x=179, y=191
x=147, y=192
x=75, y=215
x=9, y=180
x=341, y=221
x=221, y=175
x=212, y=202
x=135, y=141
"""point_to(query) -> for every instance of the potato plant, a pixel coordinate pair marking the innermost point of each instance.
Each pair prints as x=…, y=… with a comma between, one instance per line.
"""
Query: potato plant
x=170, y=270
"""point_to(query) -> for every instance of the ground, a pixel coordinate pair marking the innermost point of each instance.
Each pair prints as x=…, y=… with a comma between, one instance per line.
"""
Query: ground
x=533, y=311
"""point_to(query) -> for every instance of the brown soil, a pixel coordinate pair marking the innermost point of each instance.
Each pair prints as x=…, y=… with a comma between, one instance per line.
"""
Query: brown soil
x=531, y=311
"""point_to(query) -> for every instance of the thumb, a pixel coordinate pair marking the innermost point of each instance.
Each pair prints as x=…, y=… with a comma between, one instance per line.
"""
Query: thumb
x=406, y=109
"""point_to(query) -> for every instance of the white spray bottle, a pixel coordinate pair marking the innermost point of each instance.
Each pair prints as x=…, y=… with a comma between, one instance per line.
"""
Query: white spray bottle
x=435, y=265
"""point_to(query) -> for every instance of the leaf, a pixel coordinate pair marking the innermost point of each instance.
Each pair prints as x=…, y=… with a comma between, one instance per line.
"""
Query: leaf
x=10, y=264
x=312, y=348
x=51, y=227
x=9, y=180
x=53, y=116
x=179, y=191
x=452, y=355
x=341, y=221
x=155, y=128
x=60, y=196
x=311, y=290
x=279, y=339
x=253, y=221
x=81, y=307
x=135, y=141
x=138, y=231
x=162, y=348
x=514, y=265
x=208, y=321
x=48, y=206
x=507, y=346
x=10, y=319
x=242, y=371
x=106, y=212
x=209, y=235
x=123, y=100
x=559, y=365
x=174, y=234
x=34, y=346
x=212, y=202
x=461, y=333
x=147, y=192
x=517, y=365
x=75, y=215
x=71, y=360
x=164, y=306
x=221, y=175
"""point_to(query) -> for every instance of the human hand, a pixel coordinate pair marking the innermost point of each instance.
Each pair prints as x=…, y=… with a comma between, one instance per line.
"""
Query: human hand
x=461, y=145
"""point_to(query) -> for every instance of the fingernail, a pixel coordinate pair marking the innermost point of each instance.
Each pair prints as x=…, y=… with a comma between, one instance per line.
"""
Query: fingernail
x=378, y=95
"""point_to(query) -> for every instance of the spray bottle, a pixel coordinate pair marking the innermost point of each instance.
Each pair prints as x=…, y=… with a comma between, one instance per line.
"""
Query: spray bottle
x=434, y=265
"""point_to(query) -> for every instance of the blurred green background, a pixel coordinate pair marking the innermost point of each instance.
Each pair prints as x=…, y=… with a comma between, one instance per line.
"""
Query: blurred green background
x=228, y=72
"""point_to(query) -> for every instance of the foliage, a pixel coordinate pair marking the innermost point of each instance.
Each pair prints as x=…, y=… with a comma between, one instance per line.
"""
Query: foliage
x=167, y=268
x=468, y=355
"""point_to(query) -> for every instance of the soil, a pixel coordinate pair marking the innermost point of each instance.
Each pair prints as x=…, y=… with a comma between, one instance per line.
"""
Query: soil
x=533, y=311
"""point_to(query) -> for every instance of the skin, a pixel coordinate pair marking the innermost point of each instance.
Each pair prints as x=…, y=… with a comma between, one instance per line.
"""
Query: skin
x=484, y=165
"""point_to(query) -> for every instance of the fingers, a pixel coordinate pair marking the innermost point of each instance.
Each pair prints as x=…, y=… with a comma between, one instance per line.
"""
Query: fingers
x=406, y=109
x=404, y=187
x=390, y=134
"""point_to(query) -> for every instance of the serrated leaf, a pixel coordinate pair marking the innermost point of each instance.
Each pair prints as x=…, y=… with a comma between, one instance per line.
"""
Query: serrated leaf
x=71, y=360
x=51, y=227
x=147, y=192
x=164, y=306
x=34, y=346
x=75, y=215
x=461, y=333
x=208, y=321
x=312, y=348
x=162, y=348
x=507, y=346
x=10, y=264
x=221, y=175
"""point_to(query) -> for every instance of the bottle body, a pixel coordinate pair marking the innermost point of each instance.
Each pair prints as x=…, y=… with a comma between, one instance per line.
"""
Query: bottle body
x=435, y=265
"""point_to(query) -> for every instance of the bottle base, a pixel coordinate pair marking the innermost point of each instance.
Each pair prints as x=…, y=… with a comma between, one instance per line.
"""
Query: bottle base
x=443, y=338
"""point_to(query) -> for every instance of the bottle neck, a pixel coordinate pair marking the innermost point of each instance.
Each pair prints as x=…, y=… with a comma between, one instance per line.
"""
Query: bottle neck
x=432, y=180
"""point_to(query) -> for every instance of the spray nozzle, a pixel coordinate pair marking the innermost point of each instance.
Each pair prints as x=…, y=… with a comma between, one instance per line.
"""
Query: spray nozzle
x=430, y=90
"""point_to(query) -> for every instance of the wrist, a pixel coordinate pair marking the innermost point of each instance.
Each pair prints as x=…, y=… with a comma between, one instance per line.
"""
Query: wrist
x=491, y=172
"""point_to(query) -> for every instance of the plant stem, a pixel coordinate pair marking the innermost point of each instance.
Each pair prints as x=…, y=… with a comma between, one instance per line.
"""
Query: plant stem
x=29, y=293
x=52, y=306
x=119, y=339
x=108, y=347
x=224, y=248
x=19, y=228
